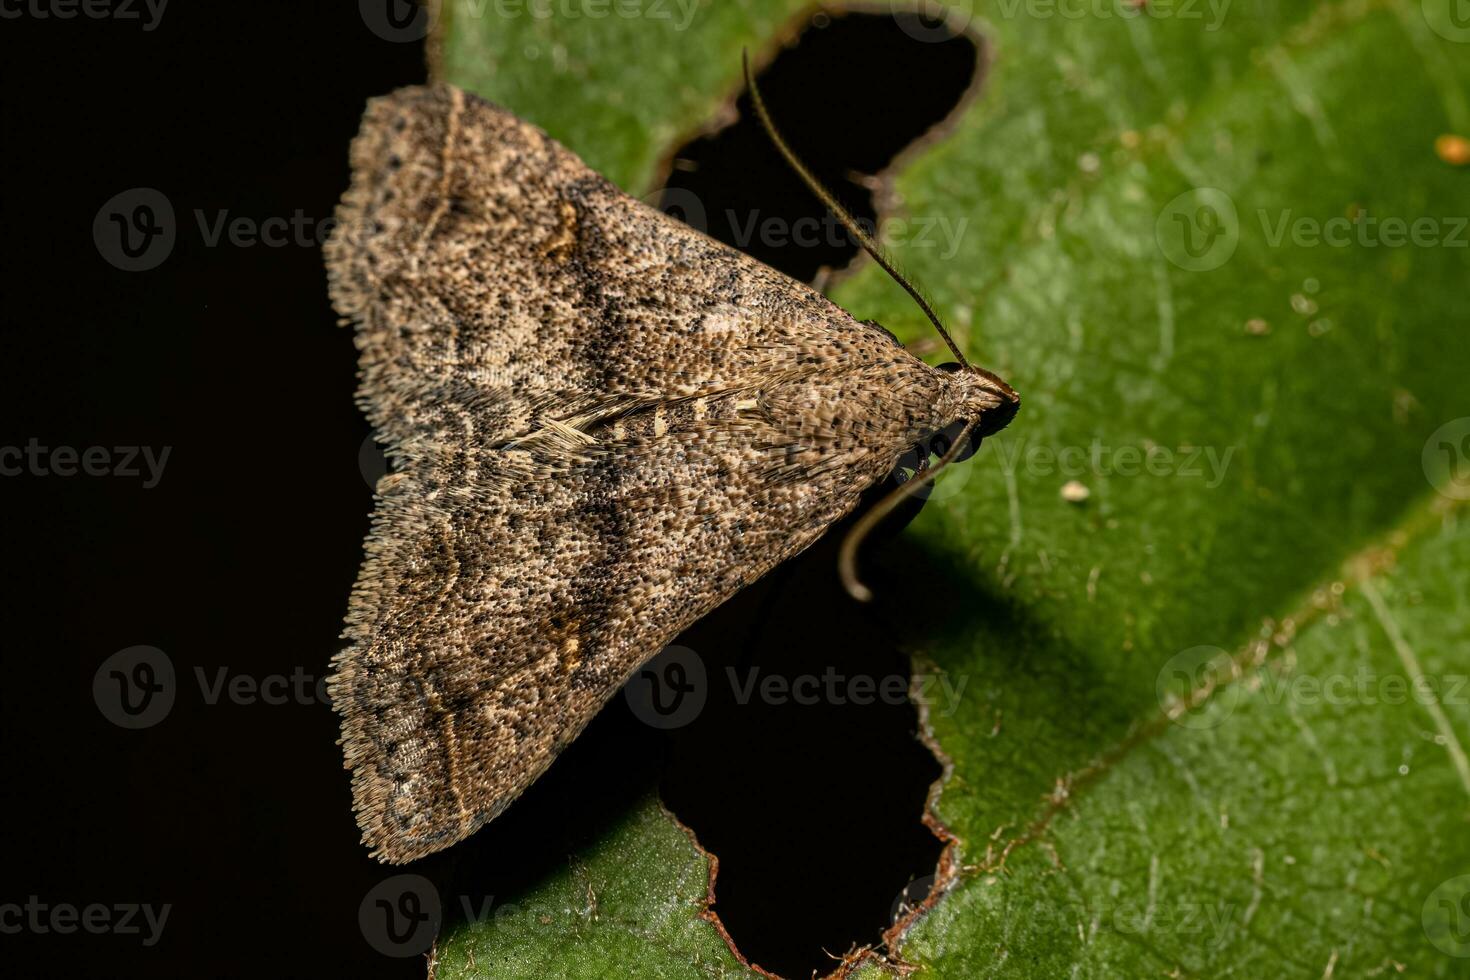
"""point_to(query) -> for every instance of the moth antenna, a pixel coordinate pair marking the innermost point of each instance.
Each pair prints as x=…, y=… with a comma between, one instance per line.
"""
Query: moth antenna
x=847, y=556
x=847, y=220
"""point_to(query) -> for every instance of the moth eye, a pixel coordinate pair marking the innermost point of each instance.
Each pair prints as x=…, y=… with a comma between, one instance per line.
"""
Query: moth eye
x=994, y=419
x=940, y=441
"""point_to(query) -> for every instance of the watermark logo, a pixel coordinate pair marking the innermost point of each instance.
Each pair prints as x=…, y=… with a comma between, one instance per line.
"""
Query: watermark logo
x=399, y=21
x=1446, y=459
x=951, y=481
x=372, y=461
x=670, y=690
x=1446, y=917
x=1450, y=19
x=135, y=688
x=912, y=896
x=680, y=203
x=1193, y=687
x=135, y=230
x=1198, y=230
x=400, y=916
x=931, y=22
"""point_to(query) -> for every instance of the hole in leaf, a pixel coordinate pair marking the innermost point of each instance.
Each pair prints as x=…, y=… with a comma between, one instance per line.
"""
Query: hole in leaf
x=849, y=95
x=802, y=772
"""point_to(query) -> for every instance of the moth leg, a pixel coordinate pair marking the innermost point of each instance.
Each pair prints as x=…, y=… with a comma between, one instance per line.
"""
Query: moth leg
x=912, y=464
x=915, y=458
x=921, y=451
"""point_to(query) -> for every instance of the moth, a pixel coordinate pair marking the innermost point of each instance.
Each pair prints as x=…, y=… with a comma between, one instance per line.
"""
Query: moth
x=601, y=424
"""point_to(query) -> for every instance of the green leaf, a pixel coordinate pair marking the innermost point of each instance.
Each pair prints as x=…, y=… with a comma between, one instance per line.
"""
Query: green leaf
x=628, y=905
x=1215, y=716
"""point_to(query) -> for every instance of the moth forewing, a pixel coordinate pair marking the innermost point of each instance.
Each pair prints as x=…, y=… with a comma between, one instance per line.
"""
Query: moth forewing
x=604, y=424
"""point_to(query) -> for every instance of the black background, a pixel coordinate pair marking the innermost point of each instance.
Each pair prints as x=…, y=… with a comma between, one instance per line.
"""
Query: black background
x=241, y=558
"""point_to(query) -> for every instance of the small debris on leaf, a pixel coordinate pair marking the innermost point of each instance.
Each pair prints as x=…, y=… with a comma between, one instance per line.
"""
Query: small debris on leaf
x=1074, y=492
x=1453, y=150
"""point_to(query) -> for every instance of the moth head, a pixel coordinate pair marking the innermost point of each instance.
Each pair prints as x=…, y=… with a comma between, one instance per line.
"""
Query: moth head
x=975, y=403
x=981, y=398
x=979, y=404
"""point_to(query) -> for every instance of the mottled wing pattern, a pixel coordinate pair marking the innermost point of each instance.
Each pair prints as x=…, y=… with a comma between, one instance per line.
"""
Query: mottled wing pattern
x=602, y=424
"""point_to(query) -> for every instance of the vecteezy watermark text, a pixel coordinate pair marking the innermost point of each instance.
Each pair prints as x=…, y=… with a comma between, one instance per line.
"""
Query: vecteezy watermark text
x=126, y=462
x=1202, y=686
x=1362, y=230
x=1209, y=463
x=136, y=687
x=900, y=232
x=831, y=686
x=931, y=21
x=671, y=690
x=149, y=12
x=97, y=918
x=679, y=13
x=1212, y=12
x=136, y=229
x=1200, y=229
x=408, y=21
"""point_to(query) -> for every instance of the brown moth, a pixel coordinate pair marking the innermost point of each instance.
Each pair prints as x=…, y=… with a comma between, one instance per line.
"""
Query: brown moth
x=602, y=424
